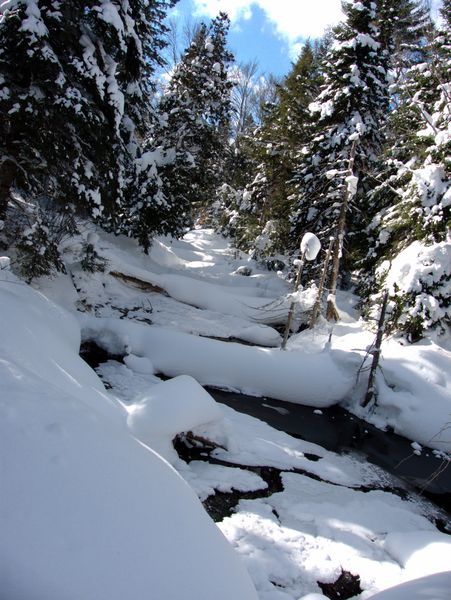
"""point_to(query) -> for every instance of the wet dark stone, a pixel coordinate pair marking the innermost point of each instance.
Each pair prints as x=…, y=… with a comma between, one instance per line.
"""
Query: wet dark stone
x=312, y=457
x=223, y=504
x=94, y=355
x=190, y=447
x=443, y=526
x=346, y=586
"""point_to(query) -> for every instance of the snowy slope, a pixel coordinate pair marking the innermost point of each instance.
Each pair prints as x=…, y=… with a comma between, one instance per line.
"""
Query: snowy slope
x=319, y=368
x=97, y=504
x=86, y=510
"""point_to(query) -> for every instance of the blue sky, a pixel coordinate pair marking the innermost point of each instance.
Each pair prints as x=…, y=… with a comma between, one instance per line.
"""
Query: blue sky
x=271, y=31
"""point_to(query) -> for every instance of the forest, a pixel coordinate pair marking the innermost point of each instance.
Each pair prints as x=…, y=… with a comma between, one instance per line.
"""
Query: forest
x=225, y=300
x=104, y=119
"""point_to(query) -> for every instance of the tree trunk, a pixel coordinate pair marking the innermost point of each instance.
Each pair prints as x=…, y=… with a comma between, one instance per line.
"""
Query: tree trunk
x=331, y=311
x=293, y=304
x=376, y=352
x=316, y=306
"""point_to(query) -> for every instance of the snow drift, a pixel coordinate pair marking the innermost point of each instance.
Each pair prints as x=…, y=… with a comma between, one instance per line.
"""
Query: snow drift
x=87, y=511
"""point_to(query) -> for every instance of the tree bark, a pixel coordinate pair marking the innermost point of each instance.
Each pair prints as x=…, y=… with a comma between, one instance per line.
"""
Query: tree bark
x=316, y=306
x=8, y=171
x=376, y=352
x=331, y=311
x=293, y=304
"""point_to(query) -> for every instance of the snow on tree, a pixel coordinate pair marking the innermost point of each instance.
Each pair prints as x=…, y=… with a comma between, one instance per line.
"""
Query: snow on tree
x=403, y=24
x=192, y=132
x=348, y=116
x=414, y=196
x=79, y=72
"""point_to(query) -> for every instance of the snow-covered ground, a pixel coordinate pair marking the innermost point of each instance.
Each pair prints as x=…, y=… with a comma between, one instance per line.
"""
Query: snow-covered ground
x=96, y=503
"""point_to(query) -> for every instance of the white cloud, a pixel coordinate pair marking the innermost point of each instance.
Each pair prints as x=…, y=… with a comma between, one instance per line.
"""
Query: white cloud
x=292, y=19
x=436, y=5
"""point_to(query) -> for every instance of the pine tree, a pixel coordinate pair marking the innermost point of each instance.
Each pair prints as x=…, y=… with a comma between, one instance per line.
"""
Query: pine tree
x=79, y=72
x=191, y=137
x=413, y=196
x=403, y=24
x=264, y=211
x=345, y=140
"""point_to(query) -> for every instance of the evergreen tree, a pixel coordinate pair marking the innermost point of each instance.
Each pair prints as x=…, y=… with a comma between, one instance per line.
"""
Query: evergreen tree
x=348, y=115
x=192, y=135
x=74, y=102
x=403, y=24
x=264, y=209
x=413, y=196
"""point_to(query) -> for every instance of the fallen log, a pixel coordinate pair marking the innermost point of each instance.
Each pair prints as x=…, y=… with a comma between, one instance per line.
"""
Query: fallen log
x=140, y=284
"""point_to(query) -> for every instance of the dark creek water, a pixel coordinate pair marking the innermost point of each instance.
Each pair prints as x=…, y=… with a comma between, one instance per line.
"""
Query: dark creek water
x=337, y=430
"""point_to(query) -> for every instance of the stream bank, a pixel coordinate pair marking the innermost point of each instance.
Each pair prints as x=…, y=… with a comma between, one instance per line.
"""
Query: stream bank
x=335, y=429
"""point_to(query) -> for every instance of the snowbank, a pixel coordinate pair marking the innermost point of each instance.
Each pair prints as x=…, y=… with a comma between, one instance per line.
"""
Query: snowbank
x=169, y=408
x=415, y=392
x=87, y=511
x=313, y=379
x=432, y=587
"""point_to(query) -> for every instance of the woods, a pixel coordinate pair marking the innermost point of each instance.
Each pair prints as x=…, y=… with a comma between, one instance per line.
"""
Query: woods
x=352, y=144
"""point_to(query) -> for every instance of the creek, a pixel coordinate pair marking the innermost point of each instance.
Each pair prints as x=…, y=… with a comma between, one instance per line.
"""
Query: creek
x=338, y=430
x=334, y=429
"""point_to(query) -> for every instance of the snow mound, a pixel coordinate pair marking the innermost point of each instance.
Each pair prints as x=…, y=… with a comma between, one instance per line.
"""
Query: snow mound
x=421, y=553
x=88, y=512
x=310, y=245
x=432, y=587
x=170, y=408
x=310, y=378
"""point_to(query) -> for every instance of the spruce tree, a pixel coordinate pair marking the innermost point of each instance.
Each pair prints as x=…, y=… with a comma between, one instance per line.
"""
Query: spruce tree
x=264, y=211
x=413, y=196
x=191, y=136
x=348, y=115
x=75, y=102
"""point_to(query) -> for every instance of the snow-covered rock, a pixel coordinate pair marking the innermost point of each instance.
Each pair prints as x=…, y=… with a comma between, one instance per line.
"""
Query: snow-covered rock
x=171, y=407
x=432, y=587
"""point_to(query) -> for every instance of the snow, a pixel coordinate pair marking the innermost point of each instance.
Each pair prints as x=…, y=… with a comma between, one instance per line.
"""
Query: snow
x=432, y=587
x=416, y=270
x=352, y=182
x=311, y=378
x=205, y=479
x=416, y=262
x=169, y=408
x=420, y=553
x=363, y=39
x=5, y=263
x=311, y=531
x=89, y=511
x=310, y=245
x=33, y=23
x=96, y=504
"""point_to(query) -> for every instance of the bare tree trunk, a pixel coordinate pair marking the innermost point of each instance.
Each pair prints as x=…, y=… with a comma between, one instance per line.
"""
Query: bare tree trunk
x=316, y=306
x=376, y=352
x=331, y=311
x=293, y=304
